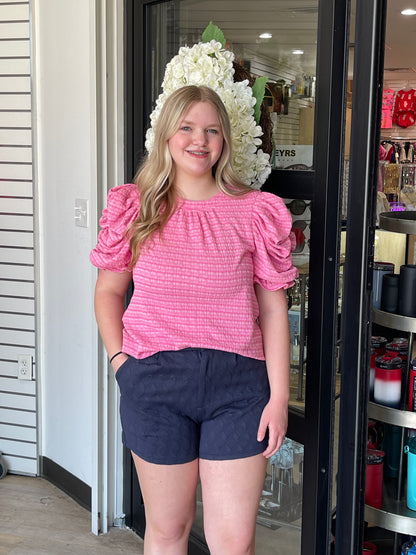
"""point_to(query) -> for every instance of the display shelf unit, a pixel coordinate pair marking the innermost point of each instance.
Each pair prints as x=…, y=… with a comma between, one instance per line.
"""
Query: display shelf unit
x=399, y=222
x=394, y=321
x=402, y=418
x=394, y=514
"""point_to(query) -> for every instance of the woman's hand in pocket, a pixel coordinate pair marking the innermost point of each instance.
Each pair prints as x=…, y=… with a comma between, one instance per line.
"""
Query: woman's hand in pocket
x=119, y=361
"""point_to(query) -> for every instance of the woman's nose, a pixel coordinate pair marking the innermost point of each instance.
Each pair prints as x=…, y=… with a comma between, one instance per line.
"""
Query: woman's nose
x=199, y=137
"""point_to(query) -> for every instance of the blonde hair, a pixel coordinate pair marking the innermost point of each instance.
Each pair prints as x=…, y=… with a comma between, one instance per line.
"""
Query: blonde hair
x=154, y=178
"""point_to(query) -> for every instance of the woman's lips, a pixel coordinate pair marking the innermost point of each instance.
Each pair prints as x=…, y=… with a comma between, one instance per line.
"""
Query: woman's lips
x=197, y=152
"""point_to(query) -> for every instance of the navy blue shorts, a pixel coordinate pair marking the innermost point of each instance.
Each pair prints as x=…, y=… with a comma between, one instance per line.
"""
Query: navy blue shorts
x=177, y=406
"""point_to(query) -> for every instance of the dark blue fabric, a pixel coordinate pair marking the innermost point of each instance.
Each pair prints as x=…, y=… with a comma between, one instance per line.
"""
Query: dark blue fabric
x=177, y=406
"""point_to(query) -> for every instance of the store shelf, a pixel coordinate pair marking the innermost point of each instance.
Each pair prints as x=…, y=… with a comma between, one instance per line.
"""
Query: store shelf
x=399, y=222
x=399, y=521
x=394, y=321
x=402, y=418
x=394, y=515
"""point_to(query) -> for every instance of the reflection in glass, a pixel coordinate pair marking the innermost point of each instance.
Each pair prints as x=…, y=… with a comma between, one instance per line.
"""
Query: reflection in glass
x=160, y=21
x=298, y=304
x=277, y=40
x=272, y=38
x=300, y=211
x=279, y=520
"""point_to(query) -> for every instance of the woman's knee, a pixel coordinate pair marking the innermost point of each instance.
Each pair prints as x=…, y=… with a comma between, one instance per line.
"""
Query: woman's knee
x=170, y=531
x=233, y=542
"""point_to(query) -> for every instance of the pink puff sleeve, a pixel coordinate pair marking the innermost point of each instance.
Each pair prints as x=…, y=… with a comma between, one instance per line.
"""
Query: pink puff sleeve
x=113, y=249
x=274, y=243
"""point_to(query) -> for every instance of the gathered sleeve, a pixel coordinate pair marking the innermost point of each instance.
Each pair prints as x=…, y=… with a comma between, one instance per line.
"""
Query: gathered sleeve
x=273, y=243
x=113, y=248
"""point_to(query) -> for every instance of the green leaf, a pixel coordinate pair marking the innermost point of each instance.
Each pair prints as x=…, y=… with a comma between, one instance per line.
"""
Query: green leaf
x=259, y=88
x=212, y=32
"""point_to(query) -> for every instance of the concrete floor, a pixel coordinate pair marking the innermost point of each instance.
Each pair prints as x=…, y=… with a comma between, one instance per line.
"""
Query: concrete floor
x=38, y=518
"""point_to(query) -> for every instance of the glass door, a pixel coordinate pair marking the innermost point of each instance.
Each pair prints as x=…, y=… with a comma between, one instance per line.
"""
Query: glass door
x=366, y=78
x=301, y=46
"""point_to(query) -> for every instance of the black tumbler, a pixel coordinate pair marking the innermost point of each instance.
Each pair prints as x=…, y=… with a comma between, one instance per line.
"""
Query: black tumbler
x=390, y=293
x=379, y=269
x=407, y=290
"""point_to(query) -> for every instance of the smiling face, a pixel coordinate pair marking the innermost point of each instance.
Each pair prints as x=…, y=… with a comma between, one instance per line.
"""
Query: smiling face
x=197, y=144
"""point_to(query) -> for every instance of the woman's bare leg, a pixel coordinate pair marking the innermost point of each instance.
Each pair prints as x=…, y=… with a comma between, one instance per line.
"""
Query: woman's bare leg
x=169, y=493
x=231, y=492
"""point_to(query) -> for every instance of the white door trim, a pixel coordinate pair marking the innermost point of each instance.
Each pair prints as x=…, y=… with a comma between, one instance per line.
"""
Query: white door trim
x=107, y=488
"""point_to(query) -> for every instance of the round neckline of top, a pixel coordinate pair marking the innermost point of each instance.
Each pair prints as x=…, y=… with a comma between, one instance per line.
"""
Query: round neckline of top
x=189, y=202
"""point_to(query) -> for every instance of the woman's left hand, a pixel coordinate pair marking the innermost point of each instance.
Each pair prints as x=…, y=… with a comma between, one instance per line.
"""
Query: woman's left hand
x=274, y=418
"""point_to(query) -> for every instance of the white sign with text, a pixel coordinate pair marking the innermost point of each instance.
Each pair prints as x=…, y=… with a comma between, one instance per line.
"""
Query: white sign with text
x=294, y=157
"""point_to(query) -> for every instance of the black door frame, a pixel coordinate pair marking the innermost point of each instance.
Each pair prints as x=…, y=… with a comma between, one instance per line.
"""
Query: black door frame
x=358, y=276
x=315, y=428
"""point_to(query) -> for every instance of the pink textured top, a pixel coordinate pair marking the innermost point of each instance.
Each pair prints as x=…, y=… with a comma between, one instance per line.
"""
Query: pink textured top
x=194, y=286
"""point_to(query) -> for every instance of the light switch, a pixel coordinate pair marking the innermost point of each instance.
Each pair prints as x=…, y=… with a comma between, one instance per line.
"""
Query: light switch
x=81, y=212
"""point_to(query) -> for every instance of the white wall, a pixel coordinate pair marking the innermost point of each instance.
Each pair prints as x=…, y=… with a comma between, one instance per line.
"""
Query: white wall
x=66, y=162
x=18, y=434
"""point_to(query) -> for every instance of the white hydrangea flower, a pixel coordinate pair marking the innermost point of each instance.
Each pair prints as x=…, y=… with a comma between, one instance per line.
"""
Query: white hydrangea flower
x=209, y=64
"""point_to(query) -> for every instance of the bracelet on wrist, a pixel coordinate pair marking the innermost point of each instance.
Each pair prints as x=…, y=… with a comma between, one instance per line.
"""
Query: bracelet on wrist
x=116, y=355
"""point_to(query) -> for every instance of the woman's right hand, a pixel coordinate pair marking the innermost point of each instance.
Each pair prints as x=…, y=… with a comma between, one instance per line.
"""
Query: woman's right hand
x=110, y=292
x=119, y=361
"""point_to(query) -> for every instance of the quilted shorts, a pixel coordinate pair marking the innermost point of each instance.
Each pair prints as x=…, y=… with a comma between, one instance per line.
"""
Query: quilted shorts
x=177, y=406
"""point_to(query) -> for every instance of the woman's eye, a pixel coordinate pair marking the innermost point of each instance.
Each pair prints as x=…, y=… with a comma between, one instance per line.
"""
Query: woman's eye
x=213, y=131
x=185, y=128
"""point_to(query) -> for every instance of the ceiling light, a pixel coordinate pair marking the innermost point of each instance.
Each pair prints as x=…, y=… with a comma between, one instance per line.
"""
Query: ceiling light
x=297, y=52
x=266, y=36
x=410, y=11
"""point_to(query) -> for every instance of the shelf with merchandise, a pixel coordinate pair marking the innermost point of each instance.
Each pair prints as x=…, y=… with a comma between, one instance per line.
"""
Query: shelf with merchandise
x=394, y=321
x=394, y=515
x=399, y=222
x=395, y=417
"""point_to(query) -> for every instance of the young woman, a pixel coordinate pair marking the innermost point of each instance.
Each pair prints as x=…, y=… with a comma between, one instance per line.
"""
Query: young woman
x=201, y=354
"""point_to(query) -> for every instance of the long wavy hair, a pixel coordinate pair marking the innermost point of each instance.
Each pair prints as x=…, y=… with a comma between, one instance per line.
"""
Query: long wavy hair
x=156, y=175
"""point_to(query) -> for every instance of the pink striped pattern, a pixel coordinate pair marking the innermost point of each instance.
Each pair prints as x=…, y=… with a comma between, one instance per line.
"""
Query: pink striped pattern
x=194, y=286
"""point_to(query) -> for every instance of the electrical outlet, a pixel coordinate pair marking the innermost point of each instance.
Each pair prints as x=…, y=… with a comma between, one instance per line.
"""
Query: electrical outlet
x=24, y=367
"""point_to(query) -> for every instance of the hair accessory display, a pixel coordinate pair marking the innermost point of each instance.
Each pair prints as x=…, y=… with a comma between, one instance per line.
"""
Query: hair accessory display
x=209, y=63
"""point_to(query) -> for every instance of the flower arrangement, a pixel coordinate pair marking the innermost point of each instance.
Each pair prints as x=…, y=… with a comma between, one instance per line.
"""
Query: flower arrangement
x=209, y=63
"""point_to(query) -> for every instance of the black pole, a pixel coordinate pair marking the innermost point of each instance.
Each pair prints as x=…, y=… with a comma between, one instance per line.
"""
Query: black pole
x=356, y=312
